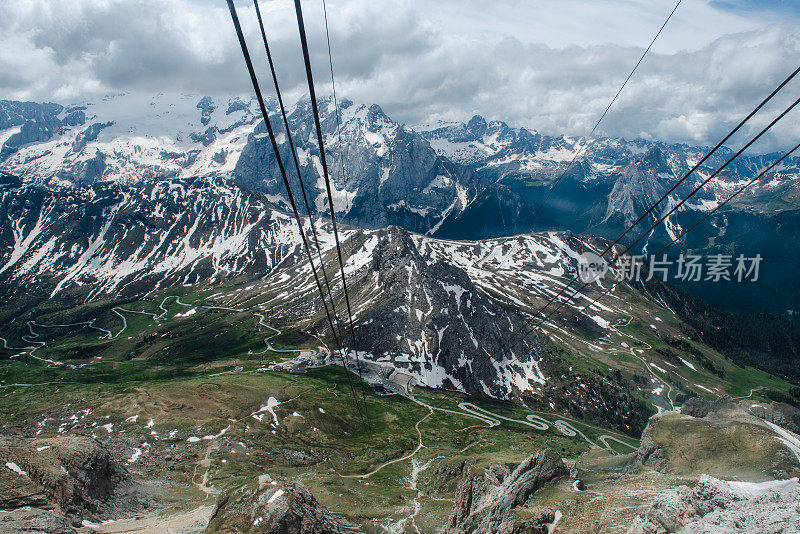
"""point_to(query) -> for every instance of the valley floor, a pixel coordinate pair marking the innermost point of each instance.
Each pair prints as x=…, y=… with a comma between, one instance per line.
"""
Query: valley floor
x=198, y=398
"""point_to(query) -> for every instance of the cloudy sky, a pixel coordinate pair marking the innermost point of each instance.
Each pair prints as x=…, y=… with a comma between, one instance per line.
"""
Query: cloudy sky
x=550, y=65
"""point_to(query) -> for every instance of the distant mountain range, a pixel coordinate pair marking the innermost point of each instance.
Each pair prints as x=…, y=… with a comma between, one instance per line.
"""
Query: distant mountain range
x=391, y=173
x=473, y=180
x=612, y=182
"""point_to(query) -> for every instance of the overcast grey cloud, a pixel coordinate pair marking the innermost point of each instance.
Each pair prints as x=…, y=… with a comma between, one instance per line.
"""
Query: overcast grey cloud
x=548, y=65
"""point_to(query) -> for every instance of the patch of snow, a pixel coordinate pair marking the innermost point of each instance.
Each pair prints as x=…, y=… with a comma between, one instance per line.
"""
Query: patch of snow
x=754, y=489
x=14, y=467
x=788, y=439
x=551, y=528
x=458, y=291
x=272, y=402
x=221, y=433
x=137, y=452
x=275, y=496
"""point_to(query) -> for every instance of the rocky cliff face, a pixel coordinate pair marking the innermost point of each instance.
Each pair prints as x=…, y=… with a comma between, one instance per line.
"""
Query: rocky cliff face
x=269, y=509
x=383, y=173
x=485, y=502
x=24, y=123
x=424, y=315
x=650, y=453
x=75, y=474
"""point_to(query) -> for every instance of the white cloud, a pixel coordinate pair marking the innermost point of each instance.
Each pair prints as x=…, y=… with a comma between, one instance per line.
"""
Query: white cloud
x=551, y=65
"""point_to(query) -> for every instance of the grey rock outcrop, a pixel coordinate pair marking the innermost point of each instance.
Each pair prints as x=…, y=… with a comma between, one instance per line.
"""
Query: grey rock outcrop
x=718, y=507
x=666, y=514
x=76, y=474
x=34, y=521
x=37, y=122
x=700, y=407
x=207, y=137
x=649, y=452
x=485, y=502
x=88, y=135
x=269, y=509
x=782, y=415
x=91, y=170
x=75, y=117
x=206, y=107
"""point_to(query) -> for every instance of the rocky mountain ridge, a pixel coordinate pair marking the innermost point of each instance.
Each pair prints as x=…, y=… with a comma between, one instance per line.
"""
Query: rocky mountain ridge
x=75, y=474
x=475, y=180
x=614, y=181
x=431, y=178
x=611, y=183
x=383, y=173
x=433, y=309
